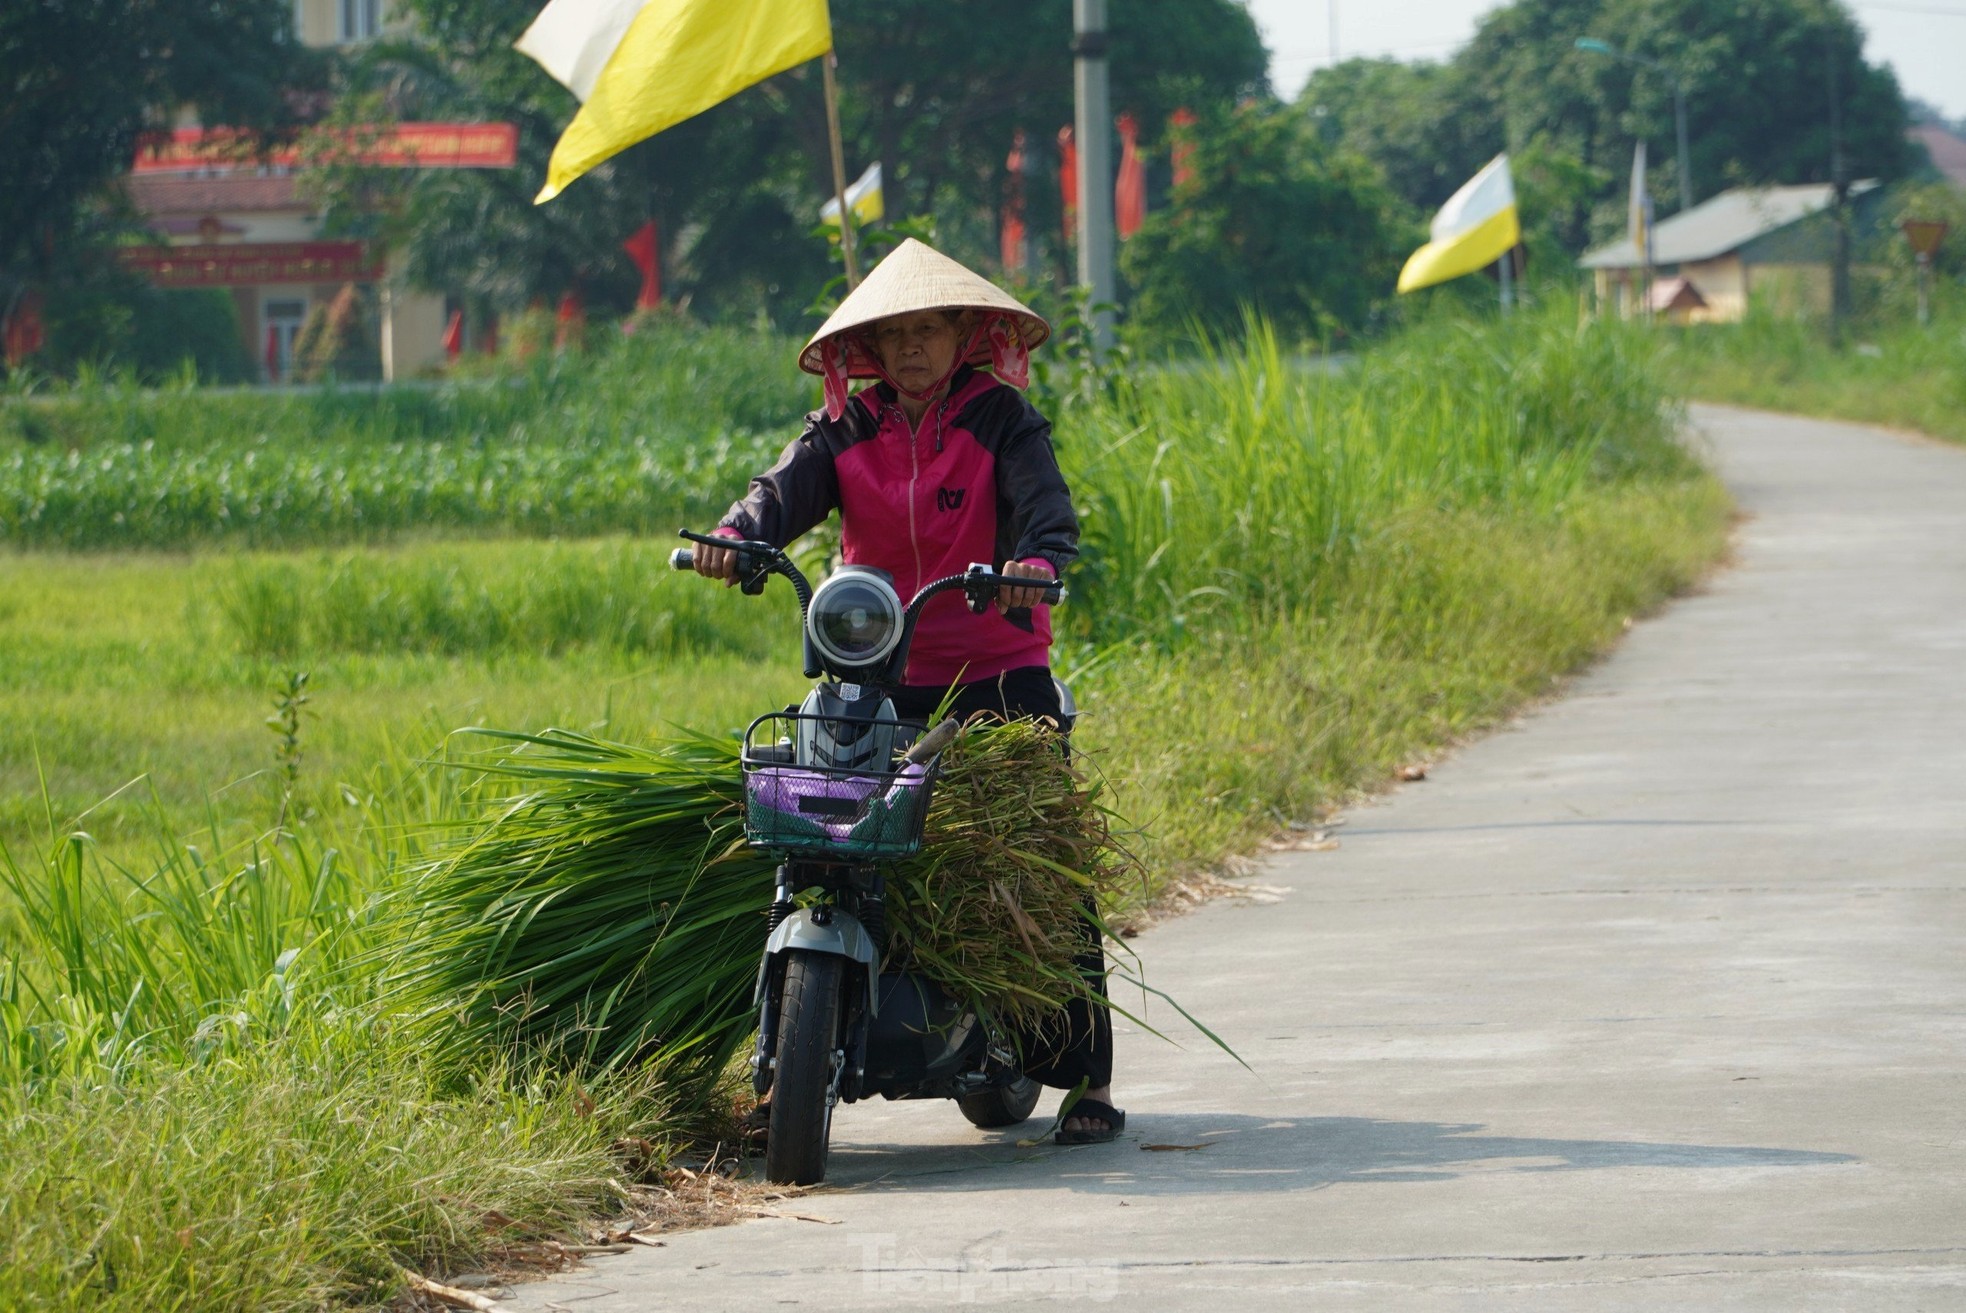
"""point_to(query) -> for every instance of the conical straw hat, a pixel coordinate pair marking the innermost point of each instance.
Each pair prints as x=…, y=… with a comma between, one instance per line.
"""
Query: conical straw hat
x=915, y=276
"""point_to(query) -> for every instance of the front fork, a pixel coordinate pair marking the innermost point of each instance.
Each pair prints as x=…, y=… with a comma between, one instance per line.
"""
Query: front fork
x=852, y=923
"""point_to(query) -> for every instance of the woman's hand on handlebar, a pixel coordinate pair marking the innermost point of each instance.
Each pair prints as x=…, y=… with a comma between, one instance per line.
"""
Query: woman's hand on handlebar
x=716, y=562
x=1010, y=598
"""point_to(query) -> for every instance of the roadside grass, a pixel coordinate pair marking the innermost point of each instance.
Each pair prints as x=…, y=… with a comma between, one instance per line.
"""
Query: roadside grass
x=1446, y=625
x=304, y=1172
x=1891, y=372
x=1293, y=584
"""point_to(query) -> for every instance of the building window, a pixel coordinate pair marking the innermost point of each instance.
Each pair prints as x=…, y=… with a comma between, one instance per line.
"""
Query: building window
x=360, y=19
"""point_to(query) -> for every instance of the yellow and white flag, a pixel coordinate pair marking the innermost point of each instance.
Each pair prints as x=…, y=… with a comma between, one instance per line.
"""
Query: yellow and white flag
x=639, y=66
x=1476, y=227
x=863, y=198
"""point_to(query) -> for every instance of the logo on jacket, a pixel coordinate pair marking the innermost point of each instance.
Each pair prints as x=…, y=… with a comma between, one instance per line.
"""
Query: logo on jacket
x=949, y=499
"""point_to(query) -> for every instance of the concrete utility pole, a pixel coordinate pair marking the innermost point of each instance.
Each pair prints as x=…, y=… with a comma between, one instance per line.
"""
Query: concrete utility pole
x=1839, y=279
x=1093, y=131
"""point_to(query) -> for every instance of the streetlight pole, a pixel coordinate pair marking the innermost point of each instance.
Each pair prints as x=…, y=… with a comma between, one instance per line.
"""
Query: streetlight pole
x=1681, y=154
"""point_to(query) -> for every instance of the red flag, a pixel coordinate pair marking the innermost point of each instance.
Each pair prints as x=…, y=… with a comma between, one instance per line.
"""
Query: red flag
x=454, y=335
x=272, y=353
x=1068, y=181
x=1130, y=192
x=644, y=251
x=1181, y=124
x=1012, y=240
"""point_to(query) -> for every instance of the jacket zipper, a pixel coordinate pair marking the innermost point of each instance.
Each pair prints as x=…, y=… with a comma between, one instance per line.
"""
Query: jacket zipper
x=914, y=475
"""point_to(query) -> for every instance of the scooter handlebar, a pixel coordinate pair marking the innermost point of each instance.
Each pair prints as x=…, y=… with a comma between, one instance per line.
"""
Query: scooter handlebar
x=980, y=583
x=682, y=559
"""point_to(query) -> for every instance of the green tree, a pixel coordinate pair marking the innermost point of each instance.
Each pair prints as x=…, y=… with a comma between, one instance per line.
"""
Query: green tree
x=81, y=79
x=1401, y=116
x=1306, y=234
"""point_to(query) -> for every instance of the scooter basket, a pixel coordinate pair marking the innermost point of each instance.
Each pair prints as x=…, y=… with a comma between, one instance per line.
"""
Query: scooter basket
x=855, y=813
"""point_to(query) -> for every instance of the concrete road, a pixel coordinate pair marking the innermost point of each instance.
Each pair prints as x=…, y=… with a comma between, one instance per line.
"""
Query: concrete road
x=1655, y=1000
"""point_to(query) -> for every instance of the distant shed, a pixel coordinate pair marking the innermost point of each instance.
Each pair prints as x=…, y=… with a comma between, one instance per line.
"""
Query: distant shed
x=1773, y=243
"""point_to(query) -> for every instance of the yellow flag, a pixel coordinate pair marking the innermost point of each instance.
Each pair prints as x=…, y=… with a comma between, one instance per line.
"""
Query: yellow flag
x=640, y=66
x=1476, y=227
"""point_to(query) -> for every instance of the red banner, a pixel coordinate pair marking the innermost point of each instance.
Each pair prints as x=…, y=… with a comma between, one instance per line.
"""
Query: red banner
x=21, y=334
x=396, y=146
x=646, y=252
x=249, y=264
x=1130, y=189
x=1011, y=235
x=1068, y=183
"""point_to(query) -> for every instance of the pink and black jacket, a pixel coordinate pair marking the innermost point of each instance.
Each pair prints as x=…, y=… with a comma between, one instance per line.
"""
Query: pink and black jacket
x=977, y=481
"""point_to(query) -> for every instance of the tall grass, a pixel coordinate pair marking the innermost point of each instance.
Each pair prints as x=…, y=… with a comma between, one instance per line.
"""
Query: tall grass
x=305, y=1172
x=1247, y=489
x=203, y=1104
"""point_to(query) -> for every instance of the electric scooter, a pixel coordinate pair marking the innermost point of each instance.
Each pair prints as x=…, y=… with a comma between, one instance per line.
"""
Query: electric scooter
x=838, y=788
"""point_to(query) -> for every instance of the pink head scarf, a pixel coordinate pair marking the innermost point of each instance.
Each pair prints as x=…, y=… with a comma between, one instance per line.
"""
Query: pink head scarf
x=994, y=342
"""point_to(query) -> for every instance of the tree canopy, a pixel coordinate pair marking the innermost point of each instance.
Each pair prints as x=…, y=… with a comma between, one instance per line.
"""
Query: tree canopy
x=928, y=90
x=1765, y=84
x=81, y=79
x=1272, y=221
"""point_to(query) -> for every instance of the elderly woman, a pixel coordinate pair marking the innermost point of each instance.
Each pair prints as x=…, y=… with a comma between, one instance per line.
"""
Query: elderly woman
x=936, y=465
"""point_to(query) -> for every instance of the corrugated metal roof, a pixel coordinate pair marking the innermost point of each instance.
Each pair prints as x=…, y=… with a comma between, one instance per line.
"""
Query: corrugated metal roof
x=1948, y=150
x=231, y=192
x=1720, y=224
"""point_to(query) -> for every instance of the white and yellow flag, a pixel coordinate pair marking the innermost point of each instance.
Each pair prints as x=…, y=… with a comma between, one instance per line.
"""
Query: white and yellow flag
x=864, y=198
x=639, y=66
x=1476, y=227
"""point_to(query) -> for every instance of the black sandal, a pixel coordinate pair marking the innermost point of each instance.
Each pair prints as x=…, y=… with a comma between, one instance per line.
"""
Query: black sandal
x=1091, y=1109
x=756, y=1126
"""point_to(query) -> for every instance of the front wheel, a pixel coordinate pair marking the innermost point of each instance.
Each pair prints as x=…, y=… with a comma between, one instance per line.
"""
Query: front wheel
x=808, y=1038
x=1001, y=1105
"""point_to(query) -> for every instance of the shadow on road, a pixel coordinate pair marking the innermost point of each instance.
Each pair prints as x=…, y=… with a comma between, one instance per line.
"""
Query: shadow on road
x=1241, y=1154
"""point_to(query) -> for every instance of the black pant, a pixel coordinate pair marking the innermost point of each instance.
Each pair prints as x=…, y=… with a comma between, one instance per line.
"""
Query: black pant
x=1077, y=1044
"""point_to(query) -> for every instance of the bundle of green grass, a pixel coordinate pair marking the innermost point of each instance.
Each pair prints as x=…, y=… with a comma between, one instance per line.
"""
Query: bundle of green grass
x=607, y=909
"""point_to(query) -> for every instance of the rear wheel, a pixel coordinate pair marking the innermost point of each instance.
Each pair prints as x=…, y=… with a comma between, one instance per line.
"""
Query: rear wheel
x=1001, y=1105
x=808, y=1036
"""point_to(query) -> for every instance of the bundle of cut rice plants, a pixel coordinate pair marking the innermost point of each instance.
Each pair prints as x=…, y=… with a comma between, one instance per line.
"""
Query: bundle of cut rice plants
x=605, y=911
x=1018, y=855
x=609, y=910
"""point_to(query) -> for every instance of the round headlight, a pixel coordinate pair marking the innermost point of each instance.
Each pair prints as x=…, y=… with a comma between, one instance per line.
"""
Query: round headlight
x=855, y=619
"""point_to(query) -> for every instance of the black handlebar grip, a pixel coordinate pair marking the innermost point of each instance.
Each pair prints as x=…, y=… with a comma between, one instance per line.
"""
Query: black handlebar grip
x=682, y=559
